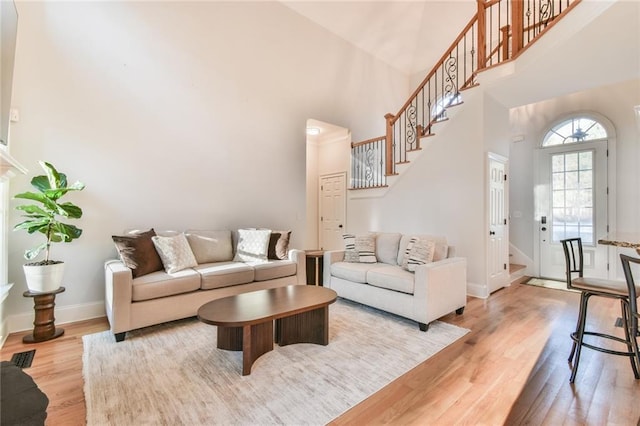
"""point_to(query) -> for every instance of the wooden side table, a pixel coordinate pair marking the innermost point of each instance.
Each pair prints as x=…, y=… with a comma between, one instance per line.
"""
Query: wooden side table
x=314, y=266
x=44, y=324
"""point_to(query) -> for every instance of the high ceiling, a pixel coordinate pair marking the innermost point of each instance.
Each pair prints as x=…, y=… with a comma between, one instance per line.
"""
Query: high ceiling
x=409, y=35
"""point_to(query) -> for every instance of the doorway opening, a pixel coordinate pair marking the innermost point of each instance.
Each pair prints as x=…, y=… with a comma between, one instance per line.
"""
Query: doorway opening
x=328, y=158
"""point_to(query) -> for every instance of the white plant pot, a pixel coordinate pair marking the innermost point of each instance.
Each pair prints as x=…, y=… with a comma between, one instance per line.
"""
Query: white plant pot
x=44, y=278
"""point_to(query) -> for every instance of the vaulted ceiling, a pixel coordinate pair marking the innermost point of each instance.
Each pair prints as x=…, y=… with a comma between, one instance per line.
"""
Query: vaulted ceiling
x=409, y=35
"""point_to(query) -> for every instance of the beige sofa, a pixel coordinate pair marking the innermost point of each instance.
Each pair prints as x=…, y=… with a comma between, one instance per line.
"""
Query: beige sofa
x=158, y=297
x=434, y=289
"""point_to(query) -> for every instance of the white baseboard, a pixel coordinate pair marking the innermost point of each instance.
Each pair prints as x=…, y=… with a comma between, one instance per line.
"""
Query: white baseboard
x=63, y=314
x=477, y=290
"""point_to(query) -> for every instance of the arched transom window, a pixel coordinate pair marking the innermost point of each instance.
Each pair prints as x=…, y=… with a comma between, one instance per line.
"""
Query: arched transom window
x=574, y=130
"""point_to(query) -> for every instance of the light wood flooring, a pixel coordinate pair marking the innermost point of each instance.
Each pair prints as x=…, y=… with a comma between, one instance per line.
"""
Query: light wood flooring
x=510, y=369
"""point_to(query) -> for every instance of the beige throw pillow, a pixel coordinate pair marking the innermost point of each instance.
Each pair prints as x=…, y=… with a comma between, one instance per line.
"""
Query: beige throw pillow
x=360, y=249
x=175, y=253
x=421, y=252
x=252, y=245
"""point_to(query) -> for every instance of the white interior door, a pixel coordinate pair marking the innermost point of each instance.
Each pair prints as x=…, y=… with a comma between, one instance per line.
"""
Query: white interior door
x=571, y=201
x=498, y=239
x=333, y=212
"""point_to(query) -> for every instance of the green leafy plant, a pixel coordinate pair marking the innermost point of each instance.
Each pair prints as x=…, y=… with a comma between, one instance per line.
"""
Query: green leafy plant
x=46, y=216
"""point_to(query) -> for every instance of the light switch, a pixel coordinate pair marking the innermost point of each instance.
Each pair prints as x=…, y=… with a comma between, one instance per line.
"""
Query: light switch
x=14, y=115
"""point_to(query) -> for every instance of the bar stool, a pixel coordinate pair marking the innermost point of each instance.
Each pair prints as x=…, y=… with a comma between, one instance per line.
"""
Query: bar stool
x=596, y=287
x=634, y=292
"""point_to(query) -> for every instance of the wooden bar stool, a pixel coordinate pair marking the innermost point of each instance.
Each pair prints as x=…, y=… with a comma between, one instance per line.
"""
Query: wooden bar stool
x=602, y=288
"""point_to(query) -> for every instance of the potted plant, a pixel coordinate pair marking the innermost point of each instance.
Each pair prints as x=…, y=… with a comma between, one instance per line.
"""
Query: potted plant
x=45, y=216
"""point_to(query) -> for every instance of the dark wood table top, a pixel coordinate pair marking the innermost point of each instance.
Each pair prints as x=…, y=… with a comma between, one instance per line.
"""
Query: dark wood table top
x=263, y=305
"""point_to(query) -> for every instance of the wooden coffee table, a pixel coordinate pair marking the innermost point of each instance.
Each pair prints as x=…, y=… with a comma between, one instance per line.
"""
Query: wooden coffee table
x=245, y=321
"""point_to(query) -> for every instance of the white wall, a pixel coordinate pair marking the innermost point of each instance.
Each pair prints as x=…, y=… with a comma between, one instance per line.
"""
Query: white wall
x=615, y=102
x=178, y=115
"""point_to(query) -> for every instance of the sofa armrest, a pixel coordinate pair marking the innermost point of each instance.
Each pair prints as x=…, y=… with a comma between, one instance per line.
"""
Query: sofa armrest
x=330, y=257
x=442, y=286
x=300, y=258
x=118, y=295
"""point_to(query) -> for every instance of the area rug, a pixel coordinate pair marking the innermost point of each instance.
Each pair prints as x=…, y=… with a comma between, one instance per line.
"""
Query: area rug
x=554, y=284
x=173, y=374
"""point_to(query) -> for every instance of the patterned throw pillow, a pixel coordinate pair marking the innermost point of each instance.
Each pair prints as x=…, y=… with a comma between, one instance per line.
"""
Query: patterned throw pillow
x=359, y=249
x=175, y=253
x=421, y=252
x=252, y=245
x=407, y=251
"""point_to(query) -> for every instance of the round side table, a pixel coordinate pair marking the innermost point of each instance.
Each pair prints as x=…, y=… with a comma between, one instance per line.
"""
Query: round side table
x=44, y=324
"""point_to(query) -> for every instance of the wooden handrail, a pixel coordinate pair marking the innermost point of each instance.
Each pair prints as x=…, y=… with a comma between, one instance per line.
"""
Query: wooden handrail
x=368, y=141
x=435, y=68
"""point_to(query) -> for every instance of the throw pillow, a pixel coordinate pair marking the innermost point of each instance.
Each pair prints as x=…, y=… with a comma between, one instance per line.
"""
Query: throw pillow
x=421, y=252
x=407, y=251
x=138, y=252
x=252, y=245
x=360, y=249
x=279, y=245
x=175, y=253
x=210, y=246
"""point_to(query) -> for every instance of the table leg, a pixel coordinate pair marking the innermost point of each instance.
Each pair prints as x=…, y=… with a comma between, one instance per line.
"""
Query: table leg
x=306, y=327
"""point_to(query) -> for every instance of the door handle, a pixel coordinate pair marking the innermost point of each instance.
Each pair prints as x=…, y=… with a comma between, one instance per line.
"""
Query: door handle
x=339, y=226
x=492, y=233
x=544, y=228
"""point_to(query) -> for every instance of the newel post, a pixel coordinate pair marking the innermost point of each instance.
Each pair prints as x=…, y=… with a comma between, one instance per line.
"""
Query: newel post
x=389, y=145
x=505, y=42
x=517, y=22
x=482, y=35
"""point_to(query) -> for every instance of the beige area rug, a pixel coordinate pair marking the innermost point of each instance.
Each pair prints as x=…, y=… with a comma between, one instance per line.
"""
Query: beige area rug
x=556, y=285
x=173, y=374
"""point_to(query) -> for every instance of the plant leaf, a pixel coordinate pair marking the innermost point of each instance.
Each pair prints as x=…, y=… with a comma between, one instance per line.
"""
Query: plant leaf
x=34, y=252
x=70, y=210
x=52, y=175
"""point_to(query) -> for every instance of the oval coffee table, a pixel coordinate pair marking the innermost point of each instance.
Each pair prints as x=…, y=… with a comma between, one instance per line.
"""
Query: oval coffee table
x=245, y=321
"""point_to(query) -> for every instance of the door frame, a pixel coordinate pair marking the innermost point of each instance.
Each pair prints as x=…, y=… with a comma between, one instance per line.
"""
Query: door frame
x=344, y=212
x=612, y=257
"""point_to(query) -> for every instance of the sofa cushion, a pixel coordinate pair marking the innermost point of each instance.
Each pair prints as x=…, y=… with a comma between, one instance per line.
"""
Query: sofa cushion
x=210, y=246
x=387, y=247
x=355, y=272
x=278, y=245
x=274, y=269
x=392, y=278
x=252, y=245
x=224, y=274
x=440, y=251
x=138, y=252
x=175, y=252
x=161, y=284
x=360, y=248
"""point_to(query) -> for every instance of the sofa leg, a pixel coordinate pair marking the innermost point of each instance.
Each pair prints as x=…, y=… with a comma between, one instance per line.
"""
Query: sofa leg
x=423, y=326
x=120, y=336
x=459, y=311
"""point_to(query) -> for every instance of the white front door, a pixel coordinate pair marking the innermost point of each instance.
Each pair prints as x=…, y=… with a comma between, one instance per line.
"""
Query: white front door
x=571, y=201
x=332, y=211
x=498, y=240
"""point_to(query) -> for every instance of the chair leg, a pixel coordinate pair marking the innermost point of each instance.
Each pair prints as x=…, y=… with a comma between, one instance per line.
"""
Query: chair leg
x=584, y=302
x=575, y=333
x=632, y=343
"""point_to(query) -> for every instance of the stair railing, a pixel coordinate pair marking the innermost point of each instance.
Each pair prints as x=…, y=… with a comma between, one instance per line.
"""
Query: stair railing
x=500, y=31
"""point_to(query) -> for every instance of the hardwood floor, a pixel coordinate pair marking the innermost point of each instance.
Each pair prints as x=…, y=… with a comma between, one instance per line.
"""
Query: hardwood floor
x=510, y=369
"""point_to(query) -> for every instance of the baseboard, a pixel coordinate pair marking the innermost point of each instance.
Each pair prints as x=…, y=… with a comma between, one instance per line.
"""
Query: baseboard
x=63, y=314
x=477, y=290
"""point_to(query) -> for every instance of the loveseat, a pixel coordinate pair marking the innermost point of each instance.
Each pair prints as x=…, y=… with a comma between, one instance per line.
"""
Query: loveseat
x=168, y=276
x=413, y=276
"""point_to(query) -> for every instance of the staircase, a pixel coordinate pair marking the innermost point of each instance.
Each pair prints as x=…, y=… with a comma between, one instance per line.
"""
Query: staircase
x=500, y=31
